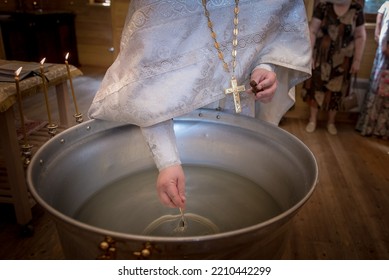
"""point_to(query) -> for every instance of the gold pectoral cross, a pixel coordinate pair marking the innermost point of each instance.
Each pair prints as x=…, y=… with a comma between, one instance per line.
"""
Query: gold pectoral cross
x=235, y=90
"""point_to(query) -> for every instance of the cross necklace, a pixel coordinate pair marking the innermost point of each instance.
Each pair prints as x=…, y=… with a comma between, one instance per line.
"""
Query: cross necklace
x=234, y=89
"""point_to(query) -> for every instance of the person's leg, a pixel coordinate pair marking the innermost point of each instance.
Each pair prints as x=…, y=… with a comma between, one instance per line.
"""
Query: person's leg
x=331, y=122
x=311, y=126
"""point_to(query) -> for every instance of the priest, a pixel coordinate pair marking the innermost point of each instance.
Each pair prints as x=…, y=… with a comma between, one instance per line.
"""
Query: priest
x=243, y=57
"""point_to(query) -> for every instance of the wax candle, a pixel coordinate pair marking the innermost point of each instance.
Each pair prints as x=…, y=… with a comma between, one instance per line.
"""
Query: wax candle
x=45, y=89
x=71, y=83
x=19, y=99
x=52, y=127
x=26, y=147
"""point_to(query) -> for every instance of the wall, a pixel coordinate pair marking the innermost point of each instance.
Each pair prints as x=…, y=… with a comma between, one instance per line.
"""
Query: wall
x=119, y=10
x=93, y=27
x=93, y=31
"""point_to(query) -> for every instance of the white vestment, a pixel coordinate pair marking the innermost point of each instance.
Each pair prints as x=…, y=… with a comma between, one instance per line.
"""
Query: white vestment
x=168, y=66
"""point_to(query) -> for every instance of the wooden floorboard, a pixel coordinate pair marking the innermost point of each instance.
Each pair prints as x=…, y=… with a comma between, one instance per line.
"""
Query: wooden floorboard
x=345, y=218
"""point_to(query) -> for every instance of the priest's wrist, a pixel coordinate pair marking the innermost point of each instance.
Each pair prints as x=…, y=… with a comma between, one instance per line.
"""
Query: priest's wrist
x=266, y=66
x=161, y=141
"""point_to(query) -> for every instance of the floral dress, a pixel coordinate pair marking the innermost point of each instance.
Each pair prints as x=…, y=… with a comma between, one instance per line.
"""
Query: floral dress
x=332, y=56
x=374, y=116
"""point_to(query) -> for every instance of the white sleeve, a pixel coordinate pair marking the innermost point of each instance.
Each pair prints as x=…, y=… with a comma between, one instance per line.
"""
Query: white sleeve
x=266, y=66
x=162, y=143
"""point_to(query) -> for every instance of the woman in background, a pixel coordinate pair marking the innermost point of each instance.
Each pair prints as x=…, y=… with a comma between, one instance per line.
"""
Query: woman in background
x=338, y=39
x=374, y=117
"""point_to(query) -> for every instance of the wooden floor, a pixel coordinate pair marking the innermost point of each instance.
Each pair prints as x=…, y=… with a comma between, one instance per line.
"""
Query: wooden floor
x=347, y=216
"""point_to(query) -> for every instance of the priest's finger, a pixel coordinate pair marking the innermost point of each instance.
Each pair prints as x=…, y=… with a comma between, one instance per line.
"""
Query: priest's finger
x=265, y=96
x=165, y=200
x=175, y=197
x=181, y=192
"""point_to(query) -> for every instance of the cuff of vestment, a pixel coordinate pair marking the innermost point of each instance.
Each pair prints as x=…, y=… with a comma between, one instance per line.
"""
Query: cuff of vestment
x=266, y=66
x=161, y=140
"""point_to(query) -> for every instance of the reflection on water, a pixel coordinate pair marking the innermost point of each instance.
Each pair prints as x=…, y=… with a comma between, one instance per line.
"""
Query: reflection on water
x=217, y=201
x=170, y=225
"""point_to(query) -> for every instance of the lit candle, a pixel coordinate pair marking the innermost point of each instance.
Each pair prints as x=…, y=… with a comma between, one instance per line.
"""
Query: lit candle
x=19, y=98
x=45, y=89
x=26, y=147
x=78, y=116
x=52, y=127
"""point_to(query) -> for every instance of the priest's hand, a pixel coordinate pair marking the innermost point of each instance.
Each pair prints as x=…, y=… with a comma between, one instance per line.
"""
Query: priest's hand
x=263, y=84
x=171, y=186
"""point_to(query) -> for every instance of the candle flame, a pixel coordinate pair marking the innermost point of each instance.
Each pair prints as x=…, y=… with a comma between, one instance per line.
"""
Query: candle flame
x=17, y=72
x=67, y=56
x=43, y=61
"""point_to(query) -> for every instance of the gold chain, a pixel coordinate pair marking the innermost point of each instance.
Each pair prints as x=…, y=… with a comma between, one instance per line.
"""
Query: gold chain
x=235, y=89
x=234, y=37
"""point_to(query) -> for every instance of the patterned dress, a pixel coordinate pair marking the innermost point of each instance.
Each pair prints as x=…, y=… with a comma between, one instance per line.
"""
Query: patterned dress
x=374, y=116
x=332, y=56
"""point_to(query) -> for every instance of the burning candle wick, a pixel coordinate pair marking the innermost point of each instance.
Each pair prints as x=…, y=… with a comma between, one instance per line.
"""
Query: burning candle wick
x=19, y=99
x=71, y=83
x=45, y=90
